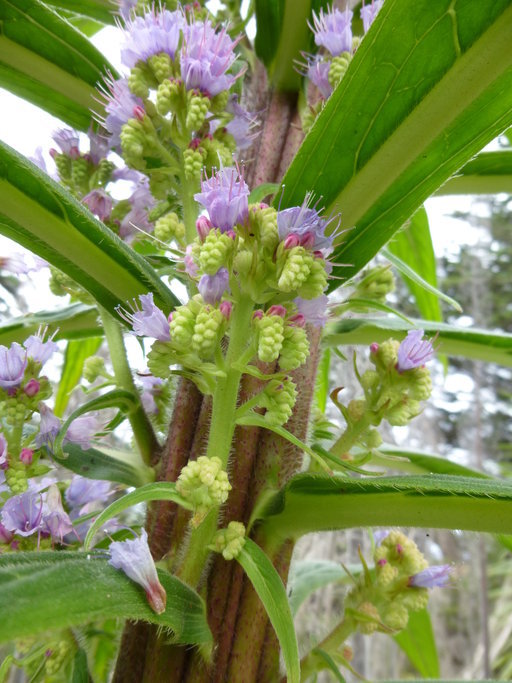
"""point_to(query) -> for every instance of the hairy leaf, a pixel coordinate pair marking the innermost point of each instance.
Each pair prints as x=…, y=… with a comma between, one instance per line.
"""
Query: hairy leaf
x=487, y=173
x=418, y=642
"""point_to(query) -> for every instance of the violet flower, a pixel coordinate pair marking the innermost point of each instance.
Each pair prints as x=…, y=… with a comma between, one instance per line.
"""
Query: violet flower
x=437, y=575
x=206, y=56
x=121, y=106
x=243, y=124
x=82, y=429
x=23, y=514
x=191, y=267
x=414, y=351
x=49, y=427
x=154, y=33
x=313, y=310
x=304, y=222
x=37, y=349
x=68, y=141
x=98, y=146
x=83, y=491
x=13, y=362
x=3, y=450
x=126, y=7
x=212, y=287
x=225, y=197
x=148, y=320
x=151, y=387
x=133, y=557
x=369, y=12
x=142, y=201
x=56, y=521
x=99, y=203
x=5, y=535
x=317, y=70
x=333, y=30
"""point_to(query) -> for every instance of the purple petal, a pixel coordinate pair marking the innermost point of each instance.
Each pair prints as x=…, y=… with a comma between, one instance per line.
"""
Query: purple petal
x=333, y=30
x=314, y=310
x=212, y=287
x=22, y=514
x=225, y=197
x=414, y=351
x=437, y=575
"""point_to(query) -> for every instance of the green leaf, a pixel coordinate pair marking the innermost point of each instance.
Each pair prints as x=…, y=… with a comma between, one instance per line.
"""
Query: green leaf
x=309, y=575
x=269, y=19
x=76, y=353
x=418, y=642
x=330, y=664
x=43, y=591
x=80, y=669
x=429, y=86
x=318, y=502
x=39, y=214
x=46, y=60
x=413, y=246
x=161, y=490
x=417, y=462
x=468, y=342
x=100, y=10
x=122, y=467
x=322, y=381
x=70, y=322
x=261, y=191
x=487, y=173
x=269, y=587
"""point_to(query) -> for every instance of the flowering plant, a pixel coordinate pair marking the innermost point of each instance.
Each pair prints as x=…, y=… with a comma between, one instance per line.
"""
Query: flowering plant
x=263, y=177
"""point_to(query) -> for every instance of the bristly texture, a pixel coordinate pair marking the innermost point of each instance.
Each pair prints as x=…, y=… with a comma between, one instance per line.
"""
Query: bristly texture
x=431, y=577
x=147, y=320
x=225, y=197
x=414, y=351
x=306, y=223
x=333, y=30
x=121, y=106
x=206, y=57
x=133, y=557
x=369, y=12
x=155, y=33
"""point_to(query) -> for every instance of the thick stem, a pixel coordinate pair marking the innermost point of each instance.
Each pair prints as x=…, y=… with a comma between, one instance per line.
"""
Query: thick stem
x=350, y=436
x=142, y=430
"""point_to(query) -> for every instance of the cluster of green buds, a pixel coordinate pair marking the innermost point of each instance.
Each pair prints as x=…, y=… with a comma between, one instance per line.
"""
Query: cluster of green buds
x=375, y=285
x=382, y=600
x=229, y=541
x=204, y=484
x=393, y=391
x=53, y=656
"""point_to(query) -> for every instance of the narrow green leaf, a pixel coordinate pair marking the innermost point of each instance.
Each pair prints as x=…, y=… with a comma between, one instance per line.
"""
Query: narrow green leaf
x=413, y=246
x=161, y=490
x=122, y=467
x=261, y=191
x=76, y=353
x=269, y=587
x=70, y=322
x=43, y=591
x=418, y=642
x=493, y=347
x=39, y=214
x=358, y=304
x=330, y=664
x=417, y=462
x=322, y=381
x=80, y=669
x=429, y=86
x=487, y=173
x=46, y=60
x=100, y=10
x=269, y=18
x=307, y=576
x=312, y=502
x=419, y=283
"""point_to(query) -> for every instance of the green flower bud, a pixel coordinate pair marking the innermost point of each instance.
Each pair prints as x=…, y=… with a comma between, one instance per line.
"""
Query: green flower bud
x=386, y=356
x=205, y=484
x=372, y=438
x=401, y=552
x=369, y=379
x=396, y=616
x=169, y=227
x=371, y=624
x=197, y=108
x=182, y=326
x=316, y=281
x=170, y=96
x=278, y=398
x=243, y=261
x=16, y=476
x=295, y=348
x=386, y=574
x=132, y=142
x=59, y=652
x=217, y=151
x=420, y=383
x=104, y=171
x=193, y=160
x=270, y=337
x=161, y=356
x=338, y=68
x=80, y=175
x=63, y=163
x=263, y=224
x=356, y=409
x=414, y=599
x=296, y=269
x=402, y=413
x=208, y=329
x=161, y=66
x=215, y=251
x=137, y=82
x=230, y=541
x=219, y=102
x=376, y=284
x=94, y=367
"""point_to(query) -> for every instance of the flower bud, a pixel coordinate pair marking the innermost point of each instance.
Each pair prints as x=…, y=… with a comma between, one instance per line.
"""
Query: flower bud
x=230, y=541
x=32, y=387
x=207, y=332
x=205, y=484
x=270, y=337
x=295, y=348
x=26, y=456
x=203, y=227
x=225, y=308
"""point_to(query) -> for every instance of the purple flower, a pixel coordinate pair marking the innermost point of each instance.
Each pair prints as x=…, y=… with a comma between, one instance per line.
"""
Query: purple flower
x=304, y=222
x=98, y=146
x=380, y=535
x=414, y=351
x=37, y=349
x=437, y=575
x=152, y=386
x=3, y=449
x=242, y=125
x=369, y=12
x=125, y=7
x=82, y=429
x=48, y=427
x=82, y=491
x=212, y=287
x=317, y=71
x=137, y=218
x=56, y=521
x=68, y=141
x=314, y=310
x=225, y=197
x=152, y=34
x=99, y=203
x=133, y=557
x=120, y=105
x=23, y=514
x=5, y=536
x=333, y=30
x=191, y=266
x=147, y=321
x=13, y=361
x=14, y=263
x=205, y=58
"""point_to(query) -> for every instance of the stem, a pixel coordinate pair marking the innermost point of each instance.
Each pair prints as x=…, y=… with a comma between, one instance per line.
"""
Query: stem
x=351, y=435
x=189, y=207
x=222, y=427
x=142, y=429
x=311, y=663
